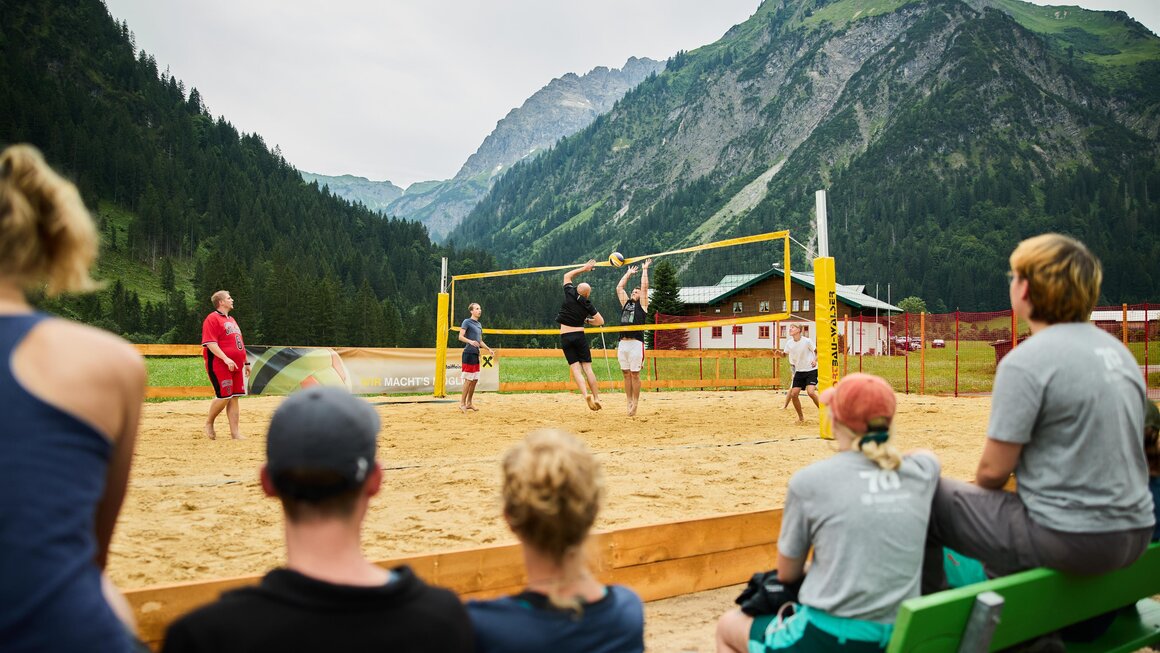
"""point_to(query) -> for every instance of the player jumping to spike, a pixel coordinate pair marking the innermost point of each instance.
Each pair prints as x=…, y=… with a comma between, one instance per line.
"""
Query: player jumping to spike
x=576, y=311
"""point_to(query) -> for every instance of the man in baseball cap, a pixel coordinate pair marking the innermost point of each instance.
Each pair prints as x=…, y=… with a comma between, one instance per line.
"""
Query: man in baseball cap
x=320, y=463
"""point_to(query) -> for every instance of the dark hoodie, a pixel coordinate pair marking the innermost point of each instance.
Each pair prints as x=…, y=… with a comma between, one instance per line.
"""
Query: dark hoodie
x=290, y=612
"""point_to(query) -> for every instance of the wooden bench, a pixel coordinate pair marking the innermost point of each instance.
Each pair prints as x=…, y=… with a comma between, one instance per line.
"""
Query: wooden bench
x=1005, y=611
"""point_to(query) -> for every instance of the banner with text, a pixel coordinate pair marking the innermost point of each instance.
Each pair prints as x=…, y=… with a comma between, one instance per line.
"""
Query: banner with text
x=362, y=370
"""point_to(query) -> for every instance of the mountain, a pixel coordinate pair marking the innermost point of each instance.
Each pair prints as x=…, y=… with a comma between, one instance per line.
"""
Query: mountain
x=944, y=131
x=563, y=107
x=375, y=195
x=187, y=204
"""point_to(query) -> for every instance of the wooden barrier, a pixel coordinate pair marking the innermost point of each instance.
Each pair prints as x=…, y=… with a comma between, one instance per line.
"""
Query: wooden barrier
x=658, y=562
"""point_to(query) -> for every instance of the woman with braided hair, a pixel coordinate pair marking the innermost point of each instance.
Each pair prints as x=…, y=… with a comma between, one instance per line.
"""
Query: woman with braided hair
x=864, y=511
x=72, y=399
x=552, y=490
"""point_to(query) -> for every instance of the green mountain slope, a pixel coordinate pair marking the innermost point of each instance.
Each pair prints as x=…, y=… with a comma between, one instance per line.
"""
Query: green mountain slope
x=945, y=131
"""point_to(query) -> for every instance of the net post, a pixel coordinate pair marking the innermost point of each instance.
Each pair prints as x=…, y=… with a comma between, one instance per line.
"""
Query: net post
x=826, y=318
x=825, y=312
x=441, y=321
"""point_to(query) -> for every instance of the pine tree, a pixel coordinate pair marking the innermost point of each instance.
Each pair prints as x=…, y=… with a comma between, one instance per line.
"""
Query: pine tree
x=666, y=300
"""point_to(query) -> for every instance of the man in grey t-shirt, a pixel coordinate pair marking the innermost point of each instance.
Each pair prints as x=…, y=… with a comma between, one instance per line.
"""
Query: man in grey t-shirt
x=1067, y=419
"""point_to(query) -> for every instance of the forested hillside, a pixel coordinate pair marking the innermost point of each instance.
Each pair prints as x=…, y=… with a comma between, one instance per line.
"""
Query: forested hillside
x=188, y=205
x=945, y=131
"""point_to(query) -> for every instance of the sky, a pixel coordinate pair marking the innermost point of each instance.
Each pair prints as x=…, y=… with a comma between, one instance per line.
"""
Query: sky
x=406, y=90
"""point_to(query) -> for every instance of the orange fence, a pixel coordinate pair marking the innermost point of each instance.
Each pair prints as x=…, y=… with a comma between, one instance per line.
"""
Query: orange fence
x=957, y=353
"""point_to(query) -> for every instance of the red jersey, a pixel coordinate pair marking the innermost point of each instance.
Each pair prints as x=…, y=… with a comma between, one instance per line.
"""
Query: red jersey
x=223, y=330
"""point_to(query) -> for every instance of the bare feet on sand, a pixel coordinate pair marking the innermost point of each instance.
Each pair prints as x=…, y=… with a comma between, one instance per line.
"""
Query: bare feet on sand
x=593, y=402
x=209, y=432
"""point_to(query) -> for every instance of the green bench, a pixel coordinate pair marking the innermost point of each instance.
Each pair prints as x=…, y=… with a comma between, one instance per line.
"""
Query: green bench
x=1005, y=611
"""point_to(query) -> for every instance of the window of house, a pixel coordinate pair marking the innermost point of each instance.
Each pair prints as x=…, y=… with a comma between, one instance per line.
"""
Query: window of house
x=783, y=306
x=796, y=306
x=762, y=332
x=716, y=332
x=763, y=307
x=805, y=304
x=737, y=307
x=784, y=332
x=736, y=329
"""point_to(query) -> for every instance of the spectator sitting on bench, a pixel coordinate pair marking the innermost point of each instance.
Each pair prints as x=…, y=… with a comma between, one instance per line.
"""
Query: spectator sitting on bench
x=320, y=462
x=864, y=511
x=1066, y=408
x=552, y=490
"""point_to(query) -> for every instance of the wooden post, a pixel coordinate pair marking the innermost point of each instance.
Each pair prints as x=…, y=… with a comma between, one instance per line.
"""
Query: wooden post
x=922, y=353
x=956, y=352
x=1124, y=324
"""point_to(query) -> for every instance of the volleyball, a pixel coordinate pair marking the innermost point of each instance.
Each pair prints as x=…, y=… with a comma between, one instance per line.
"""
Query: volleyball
x=616, y=259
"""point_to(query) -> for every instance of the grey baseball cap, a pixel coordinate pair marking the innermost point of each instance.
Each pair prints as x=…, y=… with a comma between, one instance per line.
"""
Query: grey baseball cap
x=321, y=442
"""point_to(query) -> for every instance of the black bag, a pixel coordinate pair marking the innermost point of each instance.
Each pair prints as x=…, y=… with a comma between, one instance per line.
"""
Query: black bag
x=765, y=594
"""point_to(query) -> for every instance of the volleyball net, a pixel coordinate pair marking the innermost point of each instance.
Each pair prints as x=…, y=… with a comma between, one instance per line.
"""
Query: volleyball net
x=711, y=280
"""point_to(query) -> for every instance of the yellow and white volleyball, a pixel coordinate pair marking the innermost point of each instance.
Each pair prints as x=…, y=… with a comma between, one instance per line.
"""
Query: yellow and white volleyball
x=616, y=259
x=282, y=370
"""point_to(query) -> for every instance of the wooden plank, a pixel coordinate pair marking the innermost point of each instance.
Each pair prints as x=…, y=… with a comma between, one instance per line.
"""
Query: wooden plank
x=658, y=561
x=169, y=350
x=646, y=544
x=507, y=352
x=555, y=386
x=668, y=578
x=154, y=392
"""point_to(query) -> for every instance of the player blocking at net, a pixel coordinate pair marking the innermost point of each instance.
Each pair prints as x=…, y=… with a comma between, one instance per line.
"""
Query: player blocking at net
x=630, y=352
x=576, y=312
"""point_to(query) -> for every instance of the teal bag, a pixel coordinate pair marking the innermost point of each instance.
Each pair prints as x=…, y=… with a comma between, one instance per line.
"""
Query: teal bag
x=962, y=570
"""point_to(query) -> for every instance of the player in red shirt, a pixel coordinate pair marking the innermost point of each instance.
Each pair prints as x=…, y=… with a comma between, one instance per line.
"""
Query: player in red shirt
x=225, y=362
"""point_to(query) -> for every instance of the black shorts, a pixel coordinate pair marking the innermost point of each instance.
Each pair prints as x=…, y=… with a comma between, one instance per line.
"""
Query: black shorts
x=802, y=379
x=470, y=357
x=575, y=346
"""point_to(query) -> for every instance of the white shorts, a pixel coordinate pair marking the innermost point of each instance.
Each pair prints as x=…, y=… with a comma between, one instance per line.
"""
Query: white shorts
x=469, y=376
x=630, y=353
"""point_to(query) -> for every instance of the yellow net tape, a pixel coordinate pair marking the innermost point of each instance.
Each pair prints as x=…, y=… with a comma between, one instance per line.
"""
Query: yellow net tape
x=732, y=242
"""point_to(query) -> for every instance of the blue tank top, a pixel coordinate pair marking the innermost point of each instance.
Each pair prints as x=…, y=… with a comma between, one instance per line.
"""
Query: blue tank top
x=52, y=475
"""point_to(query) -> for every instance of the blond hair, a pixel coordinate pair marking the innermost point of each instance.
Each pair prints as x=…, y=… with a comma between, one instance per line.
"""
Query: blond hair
x=46, y=234
x=552, y=490
x=882, y=453
x=218, y=297
x=1063, y=277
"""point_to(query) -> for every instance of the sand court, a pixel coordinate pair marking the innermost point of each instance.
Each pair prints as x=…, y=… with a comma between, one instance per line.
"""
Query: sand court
x=195, y=510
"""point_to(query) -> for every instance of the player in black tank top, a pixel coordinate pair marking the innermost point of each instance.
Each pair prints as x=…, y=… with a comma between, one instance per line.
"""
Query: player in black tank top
x=630, y=353
x=576, y=311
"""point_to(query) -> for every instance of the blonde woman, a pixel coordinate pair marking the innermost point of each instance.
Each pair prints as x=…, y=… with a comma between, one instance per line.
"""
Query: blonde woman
x=552, y=490
x=864, y=511
x=72, y=399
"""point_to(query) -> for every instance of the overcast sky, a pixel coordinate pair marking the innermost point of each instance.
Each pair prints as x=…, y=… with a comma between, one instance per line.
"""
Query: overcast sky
x=406, y=90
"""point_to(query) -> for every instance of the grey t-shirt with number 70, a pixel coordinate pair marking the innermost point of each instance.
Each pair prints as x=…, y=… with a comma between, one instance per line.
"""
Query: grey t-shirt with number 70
x=867, y=526
x=1073, y=396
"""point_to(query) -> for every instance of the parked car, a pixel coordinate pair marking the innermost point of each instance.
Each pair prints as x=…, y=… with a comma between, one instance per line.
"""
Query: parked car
x=903, y=344
x=938, y=343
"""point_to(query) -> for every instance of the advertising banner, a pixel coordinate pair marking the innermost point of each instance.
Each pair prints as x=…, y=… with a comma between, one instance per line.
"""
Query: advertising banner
x=362, y=370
